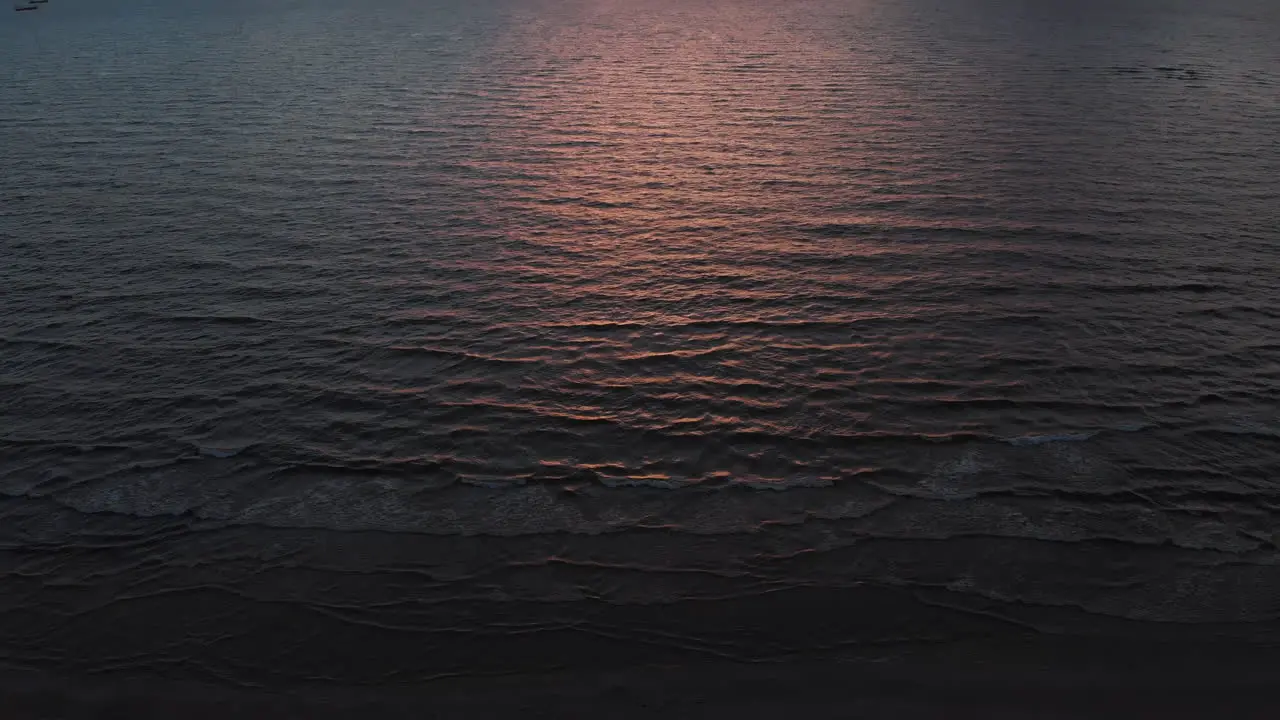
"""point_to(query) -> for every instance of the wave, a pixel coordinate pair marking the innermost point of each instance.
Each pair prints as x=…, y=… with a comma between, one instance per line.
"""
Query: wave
x=1031, y=440
x=223, y=450
x=584, y=504
x=1122, y=560
x=221, y=318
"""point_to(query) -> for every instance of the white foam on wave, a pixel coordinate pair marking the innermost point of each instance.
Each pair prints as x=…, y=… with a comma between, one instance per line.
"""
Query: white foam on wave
x=953, y=480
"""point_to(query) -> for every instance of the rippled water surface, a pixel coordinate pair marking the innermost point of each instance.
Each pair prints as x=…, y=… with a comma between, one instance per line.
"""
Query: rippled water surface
x=963, y=281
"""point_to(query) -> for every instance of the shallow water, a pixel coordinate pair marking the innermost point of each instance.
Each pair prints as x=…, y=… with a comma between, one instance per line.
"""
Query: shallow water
x=560, y=293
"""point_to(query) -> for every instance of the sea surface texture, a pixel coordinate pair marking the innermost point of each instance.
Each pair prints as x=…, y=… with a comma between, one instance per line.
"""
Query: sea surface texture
x=398, y=316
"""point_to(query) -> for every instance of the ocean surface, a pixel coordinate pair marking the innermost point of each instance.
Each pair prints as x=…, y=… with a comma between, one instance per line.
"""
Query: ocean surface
x=324, y=321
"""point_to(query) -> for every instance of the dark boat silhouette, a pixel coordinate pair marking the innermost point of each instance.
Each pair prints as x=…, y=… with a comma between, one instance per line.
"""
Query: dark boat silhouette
x=21, y=8
x=37, y=2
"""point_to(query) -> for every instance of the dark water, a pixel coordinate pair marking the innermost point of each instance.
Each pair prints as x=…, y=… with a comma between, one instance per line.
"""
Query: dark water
x=364, y=310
